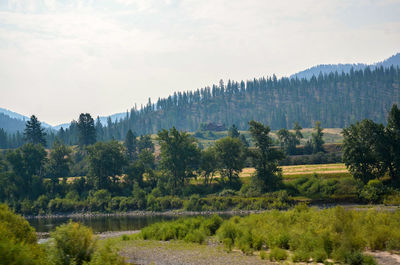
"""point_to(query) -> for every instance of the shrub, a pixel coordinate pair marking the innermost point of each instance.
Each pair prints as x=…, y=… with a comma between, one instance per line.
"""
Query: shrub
x=193, y=204
x=99, y=201
x=263, y=255
x=59, y=205
x=73, y=243
x=228, y=230
x=373, y=192
x=191, y=229
x=227, y=193
x=106, y=255
x=392, y=199
x=368, y=260
x=212, y=224
x=228, y=244
x=40, y=205
x=18, y=243
x=195, y=236
x=278, y=254
x=319, y=255
x=127, y=203
x=153, y=204
x=245, y=243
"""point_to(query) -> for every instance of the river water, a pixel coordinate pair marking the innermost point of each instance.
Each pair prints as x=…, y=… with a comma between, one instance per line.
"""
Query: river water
x=100, y=224
x=111, y=223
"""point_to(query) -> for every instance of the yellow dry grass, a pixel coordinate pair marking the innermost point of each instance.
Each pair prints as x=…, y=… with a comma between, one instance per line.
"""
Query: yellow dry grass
x=304, y=169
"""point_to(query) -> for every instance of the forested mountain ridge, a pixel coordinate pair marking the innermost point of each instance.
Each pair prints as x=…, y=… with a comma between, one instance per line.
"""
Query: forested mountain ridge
x=12, y=122
x=336, y=100
x=328, y=68
x=11, y=125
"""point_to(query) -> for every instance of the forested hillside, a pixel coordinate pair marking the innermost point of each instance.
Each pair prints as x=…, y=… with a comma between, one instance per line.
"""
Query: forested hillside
x=11, y=125
x=336, y=100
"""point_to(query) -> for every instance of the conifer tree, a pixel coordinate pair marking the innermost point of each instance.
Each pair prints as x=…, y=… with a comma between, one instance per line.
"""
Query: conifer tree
x=130, y=144
x=393, y=142
x=34, y=133
x=316, y=138
x=87, y=131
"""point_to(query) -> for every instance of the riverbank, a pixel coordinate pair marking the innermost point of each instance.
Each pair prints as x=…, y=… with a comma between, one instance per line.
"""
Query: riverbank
x=143, y=213
x=43, y=236
x=357, y=207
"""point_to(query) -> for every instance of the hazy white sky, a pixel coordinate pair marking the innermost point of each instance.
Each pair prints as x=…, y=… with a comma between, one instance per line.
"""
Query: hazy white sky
x=61, y=58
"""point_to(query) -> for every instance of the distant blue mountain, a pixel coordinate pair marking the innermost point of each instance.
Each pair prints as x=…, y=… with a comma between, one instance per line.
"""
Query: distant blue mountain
x=18, y=116
x=103, y=120
x=328, y=68
x=12, y=122
x=11, y=125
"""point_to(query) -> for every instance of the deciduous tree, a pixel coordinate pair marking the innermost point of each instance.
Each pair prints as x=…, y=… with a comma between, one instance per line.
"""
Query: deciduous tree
x=231, y=156
x=363, y=147
x=179, y=155
x=268, y=174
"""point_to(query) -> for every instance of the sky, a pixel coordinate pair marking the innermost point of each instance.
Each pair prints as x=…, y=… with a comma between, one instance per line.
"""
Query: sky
x=60, y=58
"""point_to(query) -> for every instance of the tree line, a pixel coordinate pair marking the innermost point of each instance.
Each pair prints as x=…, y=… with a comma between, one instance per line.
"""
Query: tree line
x=31, y=173
x=335, y=99
x=96, y=171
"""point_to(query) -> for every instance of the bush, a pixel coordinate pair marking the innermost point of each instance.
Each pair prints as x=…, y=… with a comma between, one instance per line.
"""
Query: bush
x=73, y=244
x=195, y=236
x=40, y=205
x=106, y=255
x=392, y=199
x=59, y=205
x=301, y=256
x=373, y=192
x=191, y=229
x=278, y=254
x=99, y=201
x=227, y=193
x=211, y=225
x=263, y=255
x=153, y=204
x=16, y=226
x=127, y=204
x=193, y=204
x=18, y=242
x=319, y=255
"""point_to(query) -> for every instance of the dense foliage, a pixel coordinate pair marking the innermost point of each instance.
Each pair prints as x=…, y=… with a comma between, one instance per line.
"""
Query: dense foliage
x=177, y=174
x=371, y=150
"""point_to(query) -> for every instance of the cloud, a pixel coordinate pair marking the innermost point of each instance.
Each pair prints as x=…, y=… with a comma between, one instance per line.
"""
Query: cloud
x=60, y=58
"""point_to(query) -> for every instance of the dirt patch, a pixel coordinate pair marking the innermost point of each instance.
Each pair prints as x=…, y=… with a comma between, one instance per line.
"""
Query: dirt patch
x=178, y=253
x=385, y=258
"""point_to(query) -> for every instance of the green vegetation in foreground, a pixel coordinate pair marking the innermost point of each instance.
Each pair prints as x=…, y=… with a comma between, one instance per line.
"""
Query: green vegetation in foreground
x=301, y=234
x=70, y=244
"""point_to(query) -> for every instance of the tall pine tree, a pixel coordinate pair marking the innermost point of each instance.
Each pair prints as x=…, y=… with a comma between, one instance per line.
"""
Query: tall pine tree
x=87, y=131
x=34, y=133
